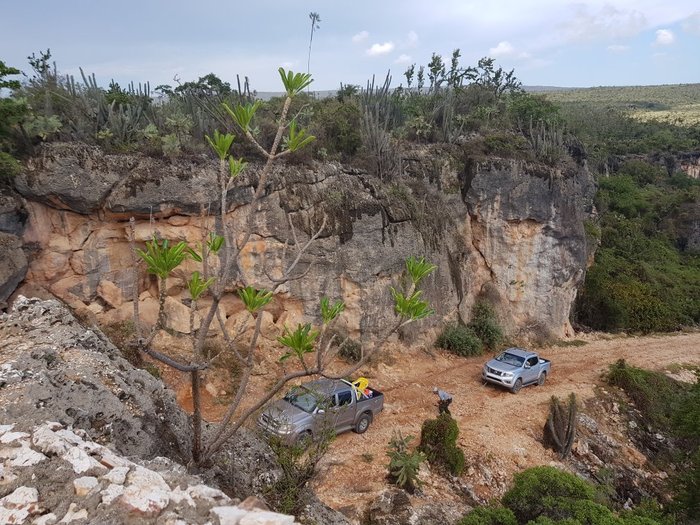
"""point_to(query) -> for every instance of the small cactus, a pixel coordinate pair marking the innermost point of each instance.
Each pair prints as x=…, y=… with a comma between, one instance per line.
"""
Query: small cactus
x=560, y=429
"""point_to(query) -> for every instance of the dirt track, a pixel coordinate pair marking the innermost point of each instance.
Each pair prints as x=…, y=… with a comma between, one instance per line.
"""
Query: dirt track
x=497, y=429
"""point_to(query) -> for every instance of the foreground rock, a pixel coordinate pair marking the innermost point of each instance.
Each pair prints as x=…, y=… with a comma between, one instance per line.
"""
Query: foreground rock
x=54, y=474
x=54, y=369
x=394, y=507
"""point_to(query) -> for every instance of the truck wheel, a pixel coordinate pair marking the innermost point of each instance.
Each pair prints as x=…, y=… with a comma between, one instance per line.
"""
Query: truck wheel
x=305, y=439
x=517, y=386
x=363, y=423
x=542, y=379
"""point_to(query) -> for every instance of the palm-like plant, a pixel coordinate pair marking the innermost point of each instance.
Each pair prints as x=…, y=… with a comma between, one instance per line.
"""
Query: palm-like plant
x=315, y=20
x=410, y=307
x=300, y=341
x=254, y=299
x=330, y=312
x=161, y=258
x=404, y=464
x=418, y=268
x=294, y=83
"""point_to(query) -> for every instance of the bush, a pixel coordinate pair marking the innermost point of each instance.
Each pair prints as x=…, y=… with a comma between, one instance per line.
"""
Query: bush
x=485, y=325
x=654, y=394
x=438, y=440
x=460, y=340
x=404, y=464
x=546, y=491
x=489, y=516
x=289, y=493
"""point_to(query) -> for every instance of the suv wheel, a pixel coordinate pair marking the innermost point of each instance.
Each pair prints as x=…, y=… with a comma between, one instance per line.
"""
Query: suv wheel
x=517, y=386
x=542, y=378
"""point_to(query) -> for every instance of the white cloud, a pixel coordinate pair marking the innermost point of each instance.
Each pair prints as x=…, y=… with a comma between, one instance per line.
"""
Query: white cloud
x=505, y=49
x=502, y=49
x=692, y=24
x=664, y=37
x=618, y=48
x=412, y=40
x=360, y=37
x=381, y=49
x=403, y=59
x=607, y=22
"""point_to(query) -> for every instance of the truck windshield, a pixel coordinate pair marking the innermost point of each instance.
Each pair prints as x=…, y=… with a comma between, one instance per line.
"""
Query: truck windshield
x=303, y=399
x=511, y=359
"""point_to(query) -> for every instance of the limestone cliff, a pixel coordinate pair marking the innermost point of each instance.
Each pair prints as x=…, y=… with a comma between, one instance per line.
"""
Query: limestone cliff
x=504, y=229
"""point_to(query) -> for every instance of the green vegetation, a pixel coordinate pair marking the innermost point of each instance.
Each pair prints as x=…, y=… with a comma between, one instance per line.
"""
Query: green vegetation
x=675, y=104
x=489, y=516
x=645, y=278
x=404, y=463
x=482, y=332
x=297, y=461
x=460, y=340
x=438, y=440
x=12, y=112
x=669, y=407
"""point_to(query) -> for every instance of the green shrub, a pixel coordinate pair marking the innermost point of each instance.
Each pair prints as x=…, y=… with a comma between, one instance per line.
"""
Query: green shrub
x=485, y=325
x=404, y=464
x=489, y=516
x=654, y=394
x=9, y=166
x=460, y=340
x=438, y=440
x=546, y=491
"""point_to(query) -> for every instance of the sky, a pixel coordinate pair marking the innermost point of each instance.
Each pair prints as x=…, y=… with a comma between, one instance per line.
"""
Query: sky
x=547, y=42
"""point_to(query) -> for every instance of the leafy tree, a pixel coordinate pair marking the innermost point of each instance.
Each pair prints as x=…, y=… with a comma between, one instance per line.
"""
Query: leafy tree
x=12, y=112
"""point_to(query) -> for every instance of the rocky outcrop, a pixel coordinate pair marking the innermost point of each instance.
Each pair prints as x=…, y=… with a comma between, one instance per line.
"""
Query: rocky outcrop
x=505, y=230
x=394, y=507
x=56, y=474
x=54, y=369
x=13, y=264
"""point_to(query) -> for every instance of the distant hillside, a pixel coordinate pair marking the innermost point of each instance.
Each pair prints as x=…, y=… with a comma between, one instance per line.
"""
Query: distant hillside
x=675, y=103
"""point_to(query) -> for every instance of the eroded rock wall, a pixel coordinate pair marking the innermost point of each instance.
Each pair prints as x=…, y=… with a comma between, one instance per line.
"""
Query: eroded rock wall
x=507, y=230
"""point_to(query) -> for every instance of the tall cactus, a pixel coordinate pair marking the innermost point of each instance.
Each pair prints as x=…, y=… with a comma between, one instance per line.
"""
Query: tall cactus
x=560, y=430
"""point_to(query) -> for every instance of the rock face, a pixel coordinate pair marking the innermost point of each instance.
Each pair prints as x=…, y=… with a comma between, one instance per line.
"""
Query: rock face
x=13, y=264
x=504, y=230
x=393, y=507
x=71, y=478
x=54, y=369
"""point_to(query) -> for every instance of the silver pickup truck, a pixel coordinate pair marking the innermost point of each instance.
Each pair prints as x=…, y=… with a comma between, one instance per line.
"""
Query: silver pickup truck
x=515, y=368
x=312, y=408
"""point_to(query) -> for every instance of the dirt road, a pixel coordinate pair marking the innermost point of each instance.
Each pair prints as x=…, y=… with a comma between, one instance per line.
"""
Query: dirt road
x=499, y=431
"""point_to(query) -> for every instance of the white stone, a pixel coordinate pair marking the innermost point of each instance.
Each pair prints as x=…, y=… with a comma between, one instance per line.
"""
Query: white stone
x=84, y=485
x=74, y=515
x=146, y=491
x=206, y=492
x=228, y=515
x=70, y=436
x=6, y=428
x=17, y=506
x=26, y=457
x=264, y=517
x=178, y=495
x=80, y=461
x=46, y=519
x=111, y=493
x=111, y=460
x=48, y=441
x=10, y=437
x=117, y=475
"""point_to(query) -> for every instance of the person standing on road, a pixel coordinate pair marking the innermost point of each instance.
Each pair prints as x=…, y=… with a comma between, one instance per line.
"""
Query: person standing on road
x=444, y=400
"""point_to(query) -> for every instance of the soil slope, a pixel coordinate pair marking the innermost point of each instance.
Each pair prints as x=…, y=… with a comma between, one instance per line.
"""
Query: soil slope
x=500, y=432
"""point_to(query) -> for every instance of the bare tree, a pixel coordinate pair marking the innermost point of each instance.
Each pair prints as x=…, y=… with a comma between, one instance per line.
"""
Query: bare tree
x=220, y=255
x=315, y=21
